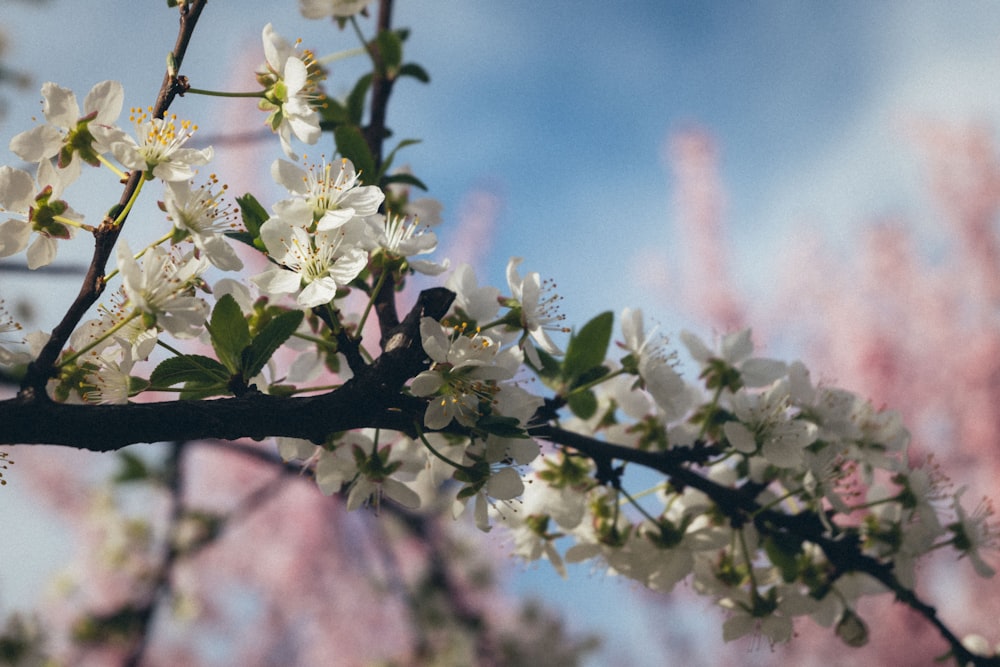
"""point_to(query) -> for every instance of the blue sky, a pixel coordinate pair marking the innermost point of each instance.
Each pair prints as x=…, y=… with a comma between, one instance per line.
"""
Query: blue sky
x=562, y=114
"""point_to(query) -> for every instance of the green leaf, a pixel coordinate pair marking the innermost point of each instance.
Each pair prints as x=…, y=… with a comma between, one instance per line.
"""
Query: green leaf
x=589, y=347
x=270, y=338
x=356, y=100
x=352, y=145
x=416, y=71
x=404, y=179
x=583, y=404
x=133, y=469
x=230, y=332
x=137, y=385
x=189, y=368
x=194, y=390
x=387, y=163
x=550, y=372
x=242, y=237
x=590, y=375
x=333, y=113
x=505, y=427
x=390, y=47
x=783, y=550
x=254, y=215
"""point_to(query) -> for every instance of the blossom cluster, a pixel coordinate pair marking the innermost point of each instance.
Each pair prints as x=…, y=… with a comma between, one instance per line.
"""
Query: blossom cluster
x=763, y=471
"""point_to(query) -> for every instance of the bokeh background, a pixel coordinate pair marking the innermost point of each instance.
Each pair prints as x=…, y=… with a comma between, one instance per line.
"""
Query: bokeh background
x=825, y=173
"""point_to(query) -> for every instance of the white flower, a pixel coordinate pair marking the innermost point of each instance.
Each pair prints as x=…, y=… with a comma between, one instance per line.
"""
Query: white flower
x=502, y=484
x=329, y=198
x=402, y=237
x=975, y=533
x=159, y=148
x=735, y=350
x=372, y=472
x=129, y=332
x=290, y=83
x=160, y=289
x=539, y=311
x=111, y=379
x=321, y=9
x=653, y=364
x=38, y=210
x=477, y=303
x=197, y=213
x=8, y=326
x=460, y=377
x=296, y=449
x=317, y=264
x=756, y=614
x=765, y=422
x=68, y=132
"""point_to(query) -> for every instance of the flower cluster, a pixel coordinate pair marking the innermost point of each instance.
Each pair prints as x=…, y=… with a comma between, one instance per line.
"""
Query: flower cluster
x=765, y=478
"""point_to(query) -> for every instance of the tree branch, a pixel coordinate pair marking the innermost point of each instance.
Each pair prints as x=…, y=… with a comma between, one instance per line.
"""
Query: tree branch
x=843, y=550
x=41, y=369
x=370, y=399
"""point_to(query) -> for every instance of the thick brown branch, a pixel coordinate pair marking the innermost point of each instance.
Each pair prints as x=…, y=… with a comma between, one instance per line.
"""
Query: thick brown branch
x=370, y=399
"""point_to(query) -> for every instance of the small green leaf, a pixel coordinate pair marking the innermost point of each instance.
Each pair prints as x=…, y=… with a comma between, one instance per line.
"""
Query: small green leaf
x=270, y=338
x=189, y=368
x=588, y=348
x=242, y=237
x=416, y=71
x=230, y=332
x=590, y=375
x=137, y=385
x=505, y=427
x=254, y=215
x=387, y=162
x=352, y=145
x=404, y=179
x=356, y=100
x=783, y=550
x=333, y=113
x=550, y=372
x=583, y=404
x=195, y=390
x=390, y=47
x=133, y=469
